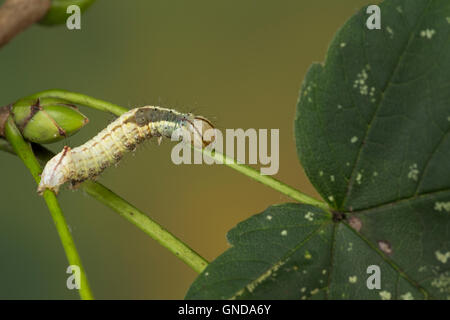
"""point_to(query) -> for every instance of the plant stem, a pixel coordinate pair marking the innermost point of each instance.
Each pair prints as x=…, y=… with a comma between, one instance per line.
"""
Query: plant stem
x=24, y=151
x=289, y=191
x=143, y=222
x=130, y=213
x=82, y=99
x=264, y=179
x=138, y=218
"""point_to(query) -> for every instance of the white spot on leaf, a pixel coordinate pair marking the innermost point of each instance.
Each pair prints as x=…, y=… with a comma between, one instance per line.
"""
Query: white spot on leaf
x=385, y=247
x=442, y=206
x=352, y=279
x=309, y=216
x=358, y=178
x=407, y=296
x=315, y=291
x=413, y=172
x=427, y=33
x=442, y=257
x=307, y=90
x=354, y=139
x=360, y=82
x=385, y=295
x=442, y=283
x=251, y=286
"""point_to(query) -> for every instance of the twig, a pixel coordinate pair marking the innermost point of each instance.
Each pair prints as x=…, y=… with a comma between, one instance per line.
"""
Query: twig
x=17, y=15
x=24, y=151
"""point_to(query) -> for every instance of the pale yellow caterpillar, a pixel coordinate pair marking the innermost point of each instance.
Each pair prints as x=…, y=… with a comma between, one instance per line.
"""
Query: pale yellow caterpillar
x=108, y=146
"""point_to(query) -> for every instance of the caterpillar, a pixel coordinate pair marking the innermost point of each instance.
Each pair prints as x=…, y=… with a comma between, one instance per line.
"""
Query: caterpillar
x=120, y=136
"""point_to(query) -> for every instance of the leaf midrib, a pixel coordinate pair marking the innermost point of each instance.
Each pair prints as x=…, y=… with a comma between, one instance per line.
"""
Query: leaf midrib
x=380, y=103
x=290, y=253
x=399, y=201
x=391, y=263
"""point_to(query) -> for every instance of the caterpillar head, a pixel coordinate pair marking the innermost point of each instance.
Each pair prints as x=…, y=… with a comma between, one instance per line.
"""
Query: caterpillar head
x=203, y=132
x=55, y=172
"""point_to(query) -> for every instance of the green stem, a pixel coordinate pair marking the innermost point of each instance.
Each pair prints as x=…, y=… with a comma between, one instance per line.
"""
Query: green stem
x=143, y=222
x=24, y=151
x=264, y=179
x=130, y=213
x=82, y=99
x=281, y=187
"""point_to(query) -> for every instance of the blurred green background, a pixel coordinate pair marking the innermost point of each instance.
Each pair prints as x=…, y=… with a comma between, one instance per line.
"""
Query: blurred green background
x=239, y=63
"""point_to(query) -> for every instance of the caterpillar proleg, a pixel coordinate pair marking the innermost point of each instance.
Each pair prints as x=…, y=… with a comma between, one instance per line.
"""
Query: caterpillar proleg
x=122, y=135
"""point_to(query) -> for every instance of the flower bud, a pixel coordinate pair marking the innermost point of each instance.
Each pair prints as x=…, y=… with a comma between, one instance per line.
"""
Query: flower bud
x=58, y=14
x=47, y=120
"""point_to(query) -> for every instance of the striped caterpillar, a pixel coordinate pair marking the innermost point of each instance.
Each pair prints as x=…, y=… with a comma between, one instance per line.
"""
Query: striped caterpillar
x=124, y=134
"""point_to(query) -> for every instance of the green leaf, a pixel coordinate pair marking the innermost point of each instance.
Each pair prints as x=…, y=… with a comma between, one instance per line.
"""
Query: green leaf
x=268, y=252
x=372, y=123
x=372, y=132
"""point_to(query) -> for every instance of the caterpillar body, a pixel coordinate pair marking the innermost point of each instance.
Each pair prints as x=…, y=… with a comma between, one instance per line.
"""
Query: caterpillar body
x=122, y=135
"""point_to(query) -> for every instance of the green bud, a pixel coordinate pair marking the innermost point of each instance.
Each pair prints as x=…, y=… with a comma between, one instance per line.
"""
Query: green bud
x=47, y=120
x=57, y=13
